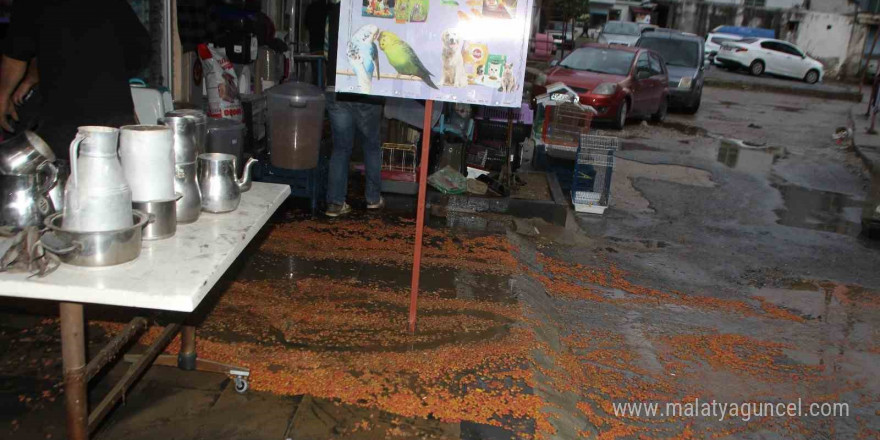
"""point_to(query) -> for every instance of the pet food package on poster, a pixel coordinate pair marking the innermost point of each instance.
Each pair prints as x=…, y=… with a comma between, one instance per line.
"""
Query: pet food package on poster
x=495, y=66
x=222, y=84
x=475, y=55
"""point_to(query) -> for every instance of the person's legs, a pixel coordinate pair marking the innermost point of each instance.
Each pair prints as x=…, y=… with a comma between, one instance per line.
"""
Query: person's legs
x=368, y=118
x=342, y=124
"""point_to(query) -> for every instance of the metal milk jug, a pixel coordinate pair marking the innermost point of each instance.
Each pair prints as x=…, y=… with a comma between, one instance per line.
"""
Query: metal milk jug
x=185, y=151
x=97, y=196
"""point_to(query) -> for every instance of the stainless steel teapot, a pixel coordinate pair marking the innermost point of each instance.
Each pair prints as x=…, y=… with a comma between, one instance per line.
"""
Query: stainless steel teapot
x=24, y=199
x=221, y=189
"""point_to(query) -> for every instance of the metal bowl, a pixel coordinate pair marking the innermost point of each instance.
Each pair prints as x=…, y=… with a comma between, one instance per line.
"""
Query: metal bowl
x=163, y=217
x=94, y=249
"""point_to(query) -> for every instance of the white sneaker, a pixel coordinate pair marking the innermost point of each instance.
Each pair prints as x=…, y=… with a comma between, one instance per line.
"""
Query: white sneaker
x=337, y=210
x=378, y=205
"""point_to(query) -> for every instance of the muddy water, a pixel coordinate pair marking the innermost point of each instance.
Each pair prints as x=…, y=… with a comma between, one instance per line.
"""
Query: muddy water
x=819, y=210
x=758, y=161
x=452, y=283
x=803, y=207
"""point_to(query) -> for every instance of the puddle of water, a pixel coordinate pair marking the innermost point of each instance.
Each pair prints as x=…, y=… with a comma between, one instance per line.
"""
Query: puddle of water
x=636, y=146
x=806, y=300
x=682, y=128
x=471, y=222
x=819, y=210
x=787, y=109
x=749, y=160
x=452, y=283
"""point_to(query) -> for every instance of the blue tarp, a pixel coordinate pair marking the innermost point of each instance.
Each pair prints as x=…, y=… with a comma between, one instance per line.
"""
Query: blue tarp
x=745, y=31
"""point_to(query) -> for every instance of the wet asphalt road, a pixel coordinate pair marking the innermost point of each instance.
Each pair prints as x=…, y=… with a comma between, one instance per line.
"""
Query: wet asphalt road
x=743, y=201
x=731, y=215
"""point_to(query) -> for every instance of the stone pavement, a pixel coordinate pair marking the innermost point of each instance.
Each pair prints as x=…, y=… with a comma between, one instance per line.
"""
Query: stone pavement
x=718, y=77
x=867, y=145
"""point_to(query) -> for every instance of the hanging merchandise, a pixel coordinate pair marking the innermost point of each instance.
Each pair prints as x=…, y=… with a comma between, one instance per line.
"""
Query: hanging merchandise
x=465, y=51
x=222, y=84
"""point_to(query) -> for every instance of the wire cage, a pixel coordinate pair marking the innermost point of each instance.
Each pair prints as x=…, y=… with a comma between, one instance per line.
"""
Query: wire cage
x=591, y=183
x=523, y=115
x=564, y=125
x=399, y=158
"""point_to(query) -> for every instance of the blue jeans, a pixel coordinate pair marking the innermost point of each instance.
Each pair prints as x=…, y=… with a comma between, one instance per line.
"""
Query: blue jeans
x=346, y=118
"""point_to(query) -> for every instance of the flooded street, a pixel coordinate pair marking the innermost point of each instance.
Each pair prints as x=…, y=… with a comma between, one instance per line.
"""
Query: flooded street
x=730, y=267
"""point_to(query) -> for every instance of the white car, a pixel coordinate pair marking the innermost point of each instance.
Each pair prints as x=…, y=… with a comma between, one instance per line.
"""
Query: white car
x=714, y=42
x=765, y=55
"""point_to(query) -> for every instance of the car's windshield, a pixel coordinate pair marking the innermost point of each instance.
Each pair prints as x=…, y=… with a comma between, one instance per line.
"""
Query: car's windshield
x=682, y=53
x=600, y=60
x=621, y=28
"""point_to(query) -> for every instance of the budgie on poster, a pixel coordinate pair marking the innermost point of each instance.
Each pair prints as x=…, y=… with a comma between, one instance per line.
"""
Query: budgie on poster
x=363, y=56
x=403, y=58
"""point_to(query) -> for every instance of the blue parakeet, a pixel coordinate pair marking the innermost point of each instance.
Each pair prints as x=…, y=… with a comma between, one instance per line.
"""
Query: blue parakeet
x=363, y=56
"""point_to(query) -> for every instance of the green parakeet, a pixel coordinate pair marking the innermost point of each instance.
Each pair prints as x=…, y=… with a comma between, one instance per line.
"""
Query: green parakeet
x=403, y=58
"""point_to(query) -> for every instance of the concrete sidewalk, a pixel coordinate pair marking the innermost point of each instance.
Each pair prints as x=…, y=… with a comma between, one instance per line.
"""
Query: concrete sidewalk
x=867, y=146
x=718, y=77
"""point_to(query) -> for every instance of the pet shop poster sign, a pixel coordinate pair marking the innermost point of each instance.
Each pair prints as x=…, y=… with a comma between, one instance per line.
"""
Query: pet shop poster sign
x=468, y=51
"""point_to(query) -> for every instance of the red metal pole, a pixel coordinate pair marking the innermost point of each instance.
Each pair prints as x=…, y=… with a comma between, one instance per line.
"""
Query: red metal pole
x=420, y=214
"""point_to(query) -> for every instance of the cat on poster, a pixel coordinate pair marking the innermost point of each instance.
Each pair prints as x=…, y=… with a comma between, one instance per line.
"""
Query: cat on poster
x=468, y=51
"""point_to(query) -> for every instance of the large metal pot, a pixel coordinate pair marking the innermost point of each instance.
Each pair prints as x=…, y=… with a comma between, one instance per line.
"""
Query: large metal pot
x=94, y=249
x=163, y=217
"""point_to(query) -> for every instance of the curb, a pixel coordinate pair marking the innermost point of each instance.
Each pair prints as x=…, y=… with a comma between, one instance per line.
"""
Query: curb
x=853, y=96
x=870, y=156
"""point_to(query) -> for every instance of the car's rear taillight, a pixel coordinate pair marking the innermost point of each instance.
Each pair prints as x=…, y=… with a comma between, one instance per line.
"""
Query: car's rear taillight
x=741, y=49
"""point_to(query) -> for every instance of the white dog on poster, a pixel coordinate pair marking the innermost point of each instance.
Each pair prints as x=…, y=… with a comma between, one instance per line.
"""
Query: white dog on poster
x=453, y=62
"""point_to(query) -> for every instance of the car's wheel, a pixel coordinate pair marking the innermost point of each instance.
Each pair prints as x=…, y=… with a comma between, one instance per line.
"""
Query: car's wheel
x=756, y=68
x=812, y=77
x=660, y=114
x=620, y=120
x=695, y=105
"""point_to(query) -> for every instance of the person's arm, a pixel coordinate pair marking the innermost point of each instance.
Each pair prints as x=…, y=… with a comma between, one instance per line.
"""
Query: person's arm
x=11, y=73
x=20, y=46
x=31, y=78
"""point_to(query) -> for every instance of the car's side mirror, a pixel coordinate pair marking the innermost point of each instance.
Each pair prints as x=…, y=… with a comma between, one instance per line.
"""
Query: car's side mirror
x=643, y=74
x=554, y=63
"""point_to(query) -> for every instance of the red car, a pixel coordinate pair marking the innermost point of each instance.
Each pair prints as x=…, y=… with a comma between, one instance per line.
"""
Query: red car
x=619, y=82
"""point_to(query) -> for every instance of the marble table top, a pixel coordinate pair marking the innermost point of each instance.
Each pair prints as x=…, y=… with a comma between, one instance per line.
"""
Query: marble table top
x=172, y=274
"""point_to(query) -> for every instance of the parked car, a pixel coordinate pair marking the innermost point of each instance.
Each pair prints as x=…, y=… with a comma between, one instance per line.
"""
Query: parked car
x=723, y=34
x=647, y=27
x=620, y=32
x=619, y=82
x=683, y=54
x=765, y=55
x=714, y=42
x=573, y=31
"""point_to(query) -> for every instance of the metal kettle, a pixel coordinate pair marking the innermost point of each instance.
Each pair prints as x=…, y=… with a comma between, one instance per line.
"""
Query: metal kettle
x=24, y=199
x=221, y=189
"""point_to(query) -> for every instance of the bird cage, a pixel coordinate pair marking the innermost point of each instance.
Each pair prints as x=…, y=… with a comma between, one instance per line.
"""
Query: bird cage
x=564, y=124
x=565, y=119
x=399, y=162
x=591, y=185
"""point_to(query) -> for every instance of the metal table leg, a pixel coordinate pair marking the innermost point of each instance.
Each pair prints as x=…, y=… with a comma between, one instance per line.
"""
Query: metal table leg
x=187, y=359
x=73, y=353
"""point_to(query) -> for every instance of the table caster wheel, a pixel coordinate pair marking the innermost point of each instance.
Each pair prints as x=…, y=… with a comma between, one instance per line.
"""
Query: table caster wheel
x=241, y=384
